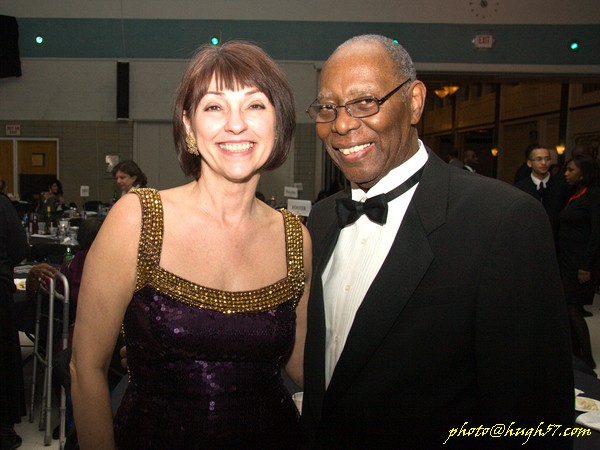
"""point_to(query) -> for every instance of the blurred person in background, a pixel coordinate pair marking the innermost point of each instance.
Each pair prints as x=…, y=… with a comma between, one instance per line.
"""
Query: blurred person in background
x=453, y=158
x=53, y=198
x=128, y=175
x=13, y=249
x=541, y=185
x=579, y=248
x=470, y=160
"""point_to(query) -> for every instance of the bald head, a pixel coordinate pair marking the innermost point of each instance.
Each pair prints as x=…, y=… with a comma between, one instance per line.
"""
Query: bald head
x=400, y=59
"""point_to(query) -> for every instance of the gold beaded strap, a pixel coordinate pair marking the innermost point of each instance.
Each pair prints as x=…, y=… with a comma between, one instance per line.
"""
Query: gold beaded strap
x=295, y=249
x=227, y=302
x=151, y=235
x=150, y=273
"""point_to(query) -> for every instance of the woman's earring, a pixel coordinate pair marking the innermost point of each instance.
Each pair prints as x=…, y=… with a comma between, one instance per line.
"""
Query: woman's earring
x=192, y=147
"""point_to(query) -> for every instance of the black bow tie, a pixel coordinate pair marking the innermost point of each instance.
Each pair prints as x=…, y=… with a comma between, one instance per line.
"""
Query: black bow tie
x=375, y=208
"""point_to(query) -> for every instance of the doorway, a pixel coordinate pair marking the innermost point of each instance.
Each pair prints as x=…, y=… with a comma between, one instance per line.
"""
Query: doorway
x=28, y=165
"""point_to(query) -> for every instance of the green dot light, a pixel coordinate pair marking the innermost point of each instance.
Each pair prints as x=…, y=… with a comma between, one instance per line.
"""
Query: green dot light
x=574, y=45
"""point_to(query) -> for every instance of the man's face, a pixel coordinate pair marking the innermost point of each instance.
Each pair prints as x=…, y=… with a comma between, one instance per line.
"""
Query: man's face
x=470, y=158
x=367, y=149
x=539, y=162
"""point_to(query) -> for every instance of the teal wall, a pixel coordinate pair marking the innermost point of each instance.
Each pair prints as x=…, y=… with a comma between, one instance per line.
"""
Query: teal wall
x=307, y=41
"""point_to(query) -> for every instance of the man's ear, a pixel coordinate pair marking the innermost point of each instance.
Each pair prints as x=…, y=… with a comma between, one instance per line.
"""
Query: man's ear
x=417, y=100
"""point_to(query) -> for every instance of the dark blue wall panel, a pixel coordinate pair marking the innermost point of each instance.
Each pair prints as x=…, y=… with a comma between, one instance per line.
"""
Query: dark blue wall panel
x=313, y=41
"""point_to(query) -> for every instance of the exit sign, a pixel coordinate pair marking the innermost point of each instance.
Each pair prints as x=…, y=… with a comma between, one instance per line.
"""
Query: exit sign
x=483, y=41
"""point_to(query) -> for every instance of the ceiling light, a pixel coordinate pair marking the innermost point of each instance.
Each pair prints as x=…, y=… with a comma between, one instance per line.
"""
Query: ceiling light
x=446, y=90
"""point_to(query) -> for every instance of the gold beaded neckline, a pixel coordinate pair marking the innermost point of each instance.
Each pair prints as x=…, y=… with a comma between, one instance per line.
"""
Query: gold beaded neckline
x=149, y=273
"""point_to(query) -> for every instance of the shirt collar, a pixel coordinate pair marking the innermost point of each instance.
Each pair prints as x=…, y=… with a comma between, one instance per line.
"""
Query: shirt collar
x=537, y=181
x=394, y=177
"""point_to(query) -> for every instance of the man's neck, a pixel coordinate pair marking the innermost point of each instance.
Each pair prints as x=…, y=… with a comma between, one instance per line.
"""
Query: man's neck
x=540, y=177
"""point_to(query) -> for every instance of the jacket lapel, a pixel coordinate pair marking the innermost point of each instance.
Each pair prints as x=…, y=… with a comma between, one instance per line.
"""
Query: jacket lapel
x=405, y=266
x=324, y=232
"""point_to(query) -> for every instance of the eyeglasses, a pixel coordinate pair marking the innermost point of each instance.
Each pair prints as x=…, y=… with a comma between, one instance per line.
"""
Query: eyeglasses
x=541, y=159
x=357, y=108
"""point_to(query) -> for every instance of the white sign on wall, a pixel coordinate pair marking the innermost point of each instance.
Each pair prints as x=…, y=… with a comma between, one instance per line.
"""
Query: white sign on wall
x=300, y=207
x=13, y=130
x=290, y=191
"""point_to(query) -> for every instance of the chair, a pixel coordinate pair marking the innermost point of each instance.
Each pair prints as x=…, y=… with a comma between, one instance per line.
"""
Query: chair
x=46, y=359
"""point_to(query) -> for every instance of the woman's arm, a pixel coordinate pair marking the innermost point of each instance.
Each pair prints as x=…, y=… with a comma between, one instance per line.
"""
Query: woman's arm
x=295, y=365
x=107, y=287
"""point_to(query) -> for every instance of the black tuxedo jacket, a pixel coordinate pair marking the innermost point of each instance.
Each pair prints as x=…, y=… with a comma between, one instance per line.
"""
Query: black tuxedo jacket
x=552, y=197
x=465, y=322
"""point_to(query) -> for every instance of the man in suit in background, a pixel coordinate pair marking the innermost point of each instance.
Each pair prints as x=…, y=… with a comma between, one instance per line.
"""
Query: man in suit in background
x=540, y=184
x=470, y=160
x=399, y=353
x=453, y=158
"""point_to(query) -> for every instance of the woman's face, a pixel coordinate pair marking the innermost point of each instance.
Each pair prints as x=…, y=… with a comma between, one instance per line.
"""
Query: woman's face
x=54, y=188
x=572, y=174
x=234, y=131
x=124, y=181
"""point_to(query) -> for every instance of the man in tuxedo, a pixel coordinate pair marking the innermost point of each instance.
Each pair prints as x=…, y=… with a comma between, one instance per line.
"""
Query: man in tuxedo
x=470, y=160
x=540, y=184
x=399, y=352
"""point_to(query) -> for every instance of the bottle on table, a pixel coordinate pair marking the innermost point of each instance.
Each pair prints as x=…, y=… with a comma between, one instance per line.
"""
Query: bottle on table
x=25, y=224
x=34, y=223
x=49, y=220
x=68, y=256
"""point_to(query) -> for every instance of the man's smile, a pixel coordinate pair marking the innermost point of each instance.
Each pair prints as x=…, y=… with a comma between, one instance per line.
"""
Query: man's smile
x=354, y=149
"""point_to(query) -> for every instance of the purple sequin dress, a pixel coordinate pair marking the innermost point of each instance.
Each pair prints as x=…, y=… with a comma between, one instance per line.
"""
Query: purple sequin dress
x=204, y=365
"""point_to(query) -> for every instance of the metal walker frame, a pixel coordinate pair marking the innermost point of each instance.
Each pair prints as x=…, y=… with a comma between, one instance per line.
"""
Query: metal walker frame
x=46, y=360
